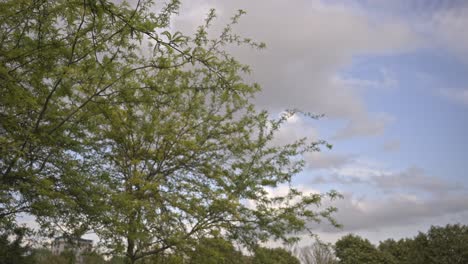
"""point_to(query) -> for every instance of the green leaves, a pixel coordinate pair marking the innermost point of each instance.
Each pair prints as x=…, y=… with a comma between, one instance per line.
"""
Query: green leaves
x=273, y=256
x=438, y=245
x=148, y=151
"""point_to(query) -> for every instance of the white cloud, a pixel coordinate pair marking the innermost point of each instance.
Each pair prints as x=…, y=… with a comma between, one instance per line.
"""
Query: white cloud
x=294, y=129
x=456, y=95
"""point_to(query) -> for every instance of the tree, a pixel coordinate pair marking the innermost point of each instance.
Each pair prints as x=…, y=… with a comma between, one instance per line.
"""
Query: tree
x=150, y=148
x=93, y=257
x=441, y=245
x=45, y=256
x=273, y=256
x=215, y=250
x=42, y=255
x=316, y=253
x=401, y=251
x=352, y=249
x=12, y=248
x=58, y=59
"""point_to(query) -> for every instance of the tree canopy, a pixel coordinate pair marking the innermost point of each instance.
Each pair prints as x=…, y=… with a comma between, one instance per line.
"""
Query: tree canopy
x=114, y=123
x=439, y=244
x=352, y=249
x=273, y=256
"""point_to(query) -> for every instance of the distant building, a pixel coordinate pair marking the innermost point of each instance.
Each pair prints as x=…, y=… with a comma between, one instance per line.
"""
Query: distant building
x=78, y=246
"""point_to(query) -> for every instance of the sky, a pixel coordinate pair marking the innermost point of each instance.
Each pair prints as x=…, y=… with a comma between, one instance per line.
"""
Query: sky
x=391, y=78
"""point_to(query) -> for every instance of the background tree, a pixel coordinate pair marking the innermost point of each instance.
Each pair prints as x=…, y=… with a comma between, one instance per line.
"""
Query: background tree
x=352, y=249
x=150, y=148
x=448, y=244
x=439, y=245
x=316, y=253
x=13, y=248
x=401, y=251
x=43, y=255
x=93, y=257
x=264, y=255
x=215, y=251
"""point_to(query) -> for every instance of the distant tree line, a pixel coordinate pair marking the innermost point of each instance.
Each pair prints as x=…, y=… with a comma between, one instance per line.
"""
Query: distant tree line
x=439, y=245
x=213, y=250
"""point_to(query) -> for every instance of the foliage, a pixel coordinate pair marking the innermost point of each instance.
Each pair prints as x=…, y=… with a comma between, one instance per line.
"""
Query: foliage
x=273, y=256
x=215, y=251
x=150, y=148
x=439, y=245
x=45, y=256
x=352, y=249
x=447, y=244
x=401, y=251
x=93, y=258
x=12, y=248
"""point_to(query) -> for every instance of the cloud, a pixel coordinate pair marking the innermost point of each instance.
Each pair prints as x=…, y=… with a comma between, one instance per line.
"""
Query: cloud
x=392, y=145
x=441, y=23
x=382, y=198
x=361, y=213
x=412, y=180
x=321, y=160
x=449, y=26
x=294, y=129
x=387, y=81
x=365, y=125
x=308, y=43
x=456, y=95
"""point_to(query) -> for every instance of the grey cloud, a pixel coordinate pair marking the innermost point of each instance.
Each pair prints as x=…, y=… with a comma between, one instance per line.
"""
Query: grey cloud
x=392, y=145
x=321, y=160
x=308, y=42
x=449, y=27
x=392, y=199
x=456, y=95
x=412, y=179
x=442, y=23
x=416, y=179
x=336, y=179
x=370, y=213
x=387, y=81
x=364, y=126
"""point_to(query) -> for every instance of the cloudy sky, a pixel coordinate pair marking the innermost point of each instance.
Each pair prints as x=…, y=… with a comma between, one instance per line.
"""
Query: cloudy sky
x=391, y=77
